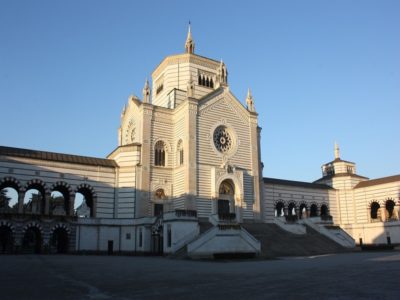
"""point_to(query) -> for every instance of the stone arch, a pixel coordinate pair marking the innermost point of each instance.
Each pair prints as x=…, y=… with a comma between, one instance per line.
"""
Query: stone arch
x=65, y=189
x=32, y=224
x=32, y=237
x=60, y=225
x=159, y=200
x=279, y=208
x=90, y=196
x=9, y=225
x=11, y=182
x=390, y=207
x=34, y=183
x=374, y=211
x=10, y=185
x=237, y=185
x=226, y=197
x=291, y=208
x=324, y=210
x=41, y=186
x=59, y=238
x=303, y=210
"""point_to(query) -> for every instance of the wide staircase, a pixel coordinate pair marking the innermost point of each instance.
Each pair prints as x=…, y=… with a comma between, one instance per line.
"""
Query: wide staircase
x=278, y=242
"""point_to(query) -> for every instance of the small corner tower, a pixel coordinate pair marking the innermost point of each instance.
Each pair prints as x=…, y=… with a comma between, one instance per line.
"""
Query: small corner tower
x=189, y=44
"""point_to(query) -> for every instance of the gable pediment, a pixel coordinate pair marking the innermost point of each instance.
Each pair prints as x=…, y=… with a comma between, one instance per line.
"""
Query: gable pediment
x=225, y=97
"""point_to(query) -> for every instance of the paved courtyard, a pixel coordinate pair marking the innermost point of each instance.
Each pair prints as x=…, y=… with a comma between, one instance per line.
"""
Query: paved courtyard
x=342, y=276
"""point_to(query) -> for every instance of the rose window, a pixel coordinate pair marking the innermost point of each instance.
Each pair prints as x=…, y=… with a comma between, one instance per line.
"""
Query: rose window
x=222, y=139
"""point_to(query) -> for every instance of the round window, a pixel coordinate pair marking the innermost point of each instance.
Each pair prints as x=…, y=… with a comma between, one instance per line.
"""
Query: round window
x=222, y=139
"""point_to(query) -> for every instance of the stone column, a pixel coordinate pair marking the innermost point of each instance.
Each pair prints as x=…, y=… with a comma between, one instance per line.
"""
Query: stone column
x=47, y=198
x=21, y=196
x=256, y=166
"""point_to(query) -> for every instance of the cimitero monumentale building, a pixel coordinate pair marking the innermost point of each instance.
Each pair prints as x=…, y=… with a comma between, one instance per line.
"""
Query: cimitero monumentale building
x=186, y=178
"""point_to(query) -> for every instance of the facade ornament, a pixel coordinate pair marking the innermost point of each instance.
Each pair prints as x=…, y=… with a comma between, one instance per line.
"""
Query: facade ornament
x=222, y=76
x=250, y=101
x=146, y=92
x=189, y=44
x=337, y=151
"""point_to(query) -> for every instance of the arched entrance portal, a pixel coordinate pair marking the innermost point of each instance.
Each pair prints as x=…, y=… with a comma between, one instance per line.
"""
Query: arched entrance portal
x=59, y=240
x=226, y=197
x=32, y=241
x=6, y=239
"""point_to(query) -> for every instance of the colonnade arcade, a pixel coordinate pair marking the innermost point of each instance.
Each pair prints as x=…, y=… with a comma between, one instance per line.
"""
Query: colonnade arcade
x=383, y=211
x=300, y=210
x=39, y=198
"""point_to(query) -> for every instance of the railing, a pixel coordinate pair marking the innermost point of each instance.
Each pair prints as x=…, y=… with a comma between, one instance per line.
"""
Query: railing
x=226, y=216
x=326, y=218
x=291, y=219
x=229, y=226
x=37, y=216
x=186, y=213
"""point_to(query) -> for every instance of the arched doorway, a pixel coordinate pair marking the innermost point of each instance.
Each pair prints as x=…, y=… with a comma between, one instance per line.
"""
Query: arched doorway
x=226, y=197
x=303, y=211
x=6, y=239
x=59, y=240
x=32, y=240
x=313, y=210
x=324, y=210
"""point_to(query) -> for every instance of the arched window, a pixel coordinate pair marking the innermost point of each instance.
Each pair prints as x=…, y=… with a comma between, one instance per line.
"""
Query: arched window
x=8, y=199
x=199, y=79
x=390, y=212
x=211, y=83
x=226, y=198
x=375, y=210
x=226, y=188
x=159, y=154
x=207, y=82
x=279, y=209
x=179, y=150
x=84, y=204
x=292, y=209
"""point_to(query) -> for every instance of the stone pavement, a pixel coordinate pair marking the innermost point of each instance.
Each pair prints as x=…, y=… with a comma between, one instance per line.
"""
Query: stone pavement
x=362, y=275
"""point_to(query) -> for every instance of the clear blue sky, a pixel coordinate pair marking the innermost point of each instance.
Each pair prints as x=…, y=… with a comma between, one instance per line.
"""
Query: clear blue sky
x=320, y=71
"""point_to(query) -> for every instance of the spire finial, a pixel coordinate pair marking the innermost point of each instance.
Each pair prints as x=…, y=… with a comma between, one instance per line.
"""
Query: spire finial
x=249, y=101
x=189, y=45
x=337, y=151
x=146, y=92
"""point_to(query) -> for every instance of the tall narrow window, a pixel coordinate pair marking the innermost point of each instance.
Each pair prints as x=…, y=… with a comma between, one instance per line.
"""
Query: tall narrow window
x=179, y=151
x=159, y=154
